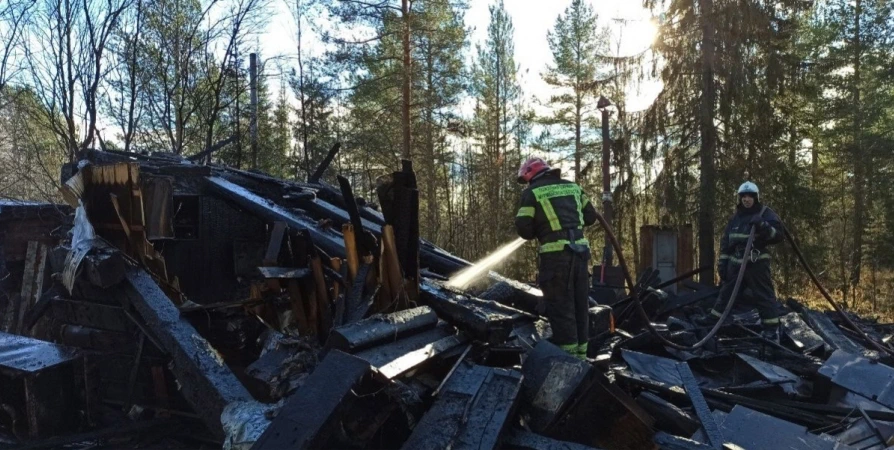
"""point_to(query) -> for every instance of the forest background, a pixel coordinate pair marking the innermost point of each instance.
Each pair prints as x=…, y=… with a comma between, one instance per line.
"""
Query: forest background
x=796, y=95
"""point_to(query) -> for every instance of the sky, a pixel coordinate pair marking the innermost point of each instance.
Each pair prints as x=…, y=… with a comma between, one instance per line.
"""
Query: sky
x=531, y=19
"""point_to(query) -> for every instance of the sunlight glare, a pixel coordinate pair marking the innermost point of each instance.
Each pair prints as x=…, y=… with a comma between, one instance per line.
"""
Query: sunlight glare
x=637, y=36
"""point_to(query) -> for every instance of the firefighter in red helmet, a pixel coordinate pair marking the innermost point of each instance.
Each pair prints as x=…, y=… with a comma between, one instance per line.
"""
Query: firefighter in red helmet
x=555, y=211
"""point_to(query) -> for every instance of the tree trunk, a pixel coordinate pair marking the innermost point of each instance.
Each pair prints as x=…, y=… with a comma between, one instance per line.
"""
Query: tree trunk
x=708, y=134
x=431, y=181
x=405, y=110
x=858, y=157
x=302, y=100
x=577, y=149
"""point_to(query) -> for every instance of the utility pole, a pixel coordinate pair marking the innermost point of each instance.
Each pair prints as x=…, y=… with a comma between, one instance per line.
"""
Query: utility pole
x=603, y=105
x=253, y=80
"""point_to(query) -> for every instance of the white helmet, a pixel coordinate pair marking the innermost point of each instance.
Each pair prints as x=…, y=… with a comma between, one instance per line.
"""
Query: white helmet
x=749, y=188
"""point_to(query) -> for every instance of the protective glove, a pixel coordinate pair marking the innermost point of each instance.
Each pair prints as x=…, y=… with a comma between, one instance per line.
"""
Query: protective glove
x=721, y=270
x=759, y=223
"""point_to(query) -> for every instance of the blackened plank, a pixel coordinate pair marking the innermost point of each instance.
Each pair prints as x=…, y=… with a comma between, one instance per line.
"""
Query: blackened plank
x=311, y=415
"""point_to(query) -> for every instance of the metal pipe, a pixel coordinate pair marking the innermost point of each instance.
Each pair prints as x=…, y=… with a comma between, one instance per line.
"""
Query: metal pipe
x=607, y=207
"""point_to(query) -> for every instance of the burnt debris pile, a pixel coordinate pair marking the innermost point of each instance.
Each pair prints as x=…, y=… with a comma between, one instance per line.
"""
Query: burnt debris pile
x=174, y=305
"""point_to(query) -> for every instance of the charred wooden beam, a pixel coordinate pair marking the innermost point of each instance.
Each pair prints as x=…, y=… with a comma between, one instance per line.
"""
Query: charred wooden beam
x=668, y=417
x=712, y=431
x=670, y=442
x=357, y=298
x=321, y=169
x=365, y=243
x=311, y=417
x=484, y=320
x=285, y=273
x=405, y=220
x=554, y=375
x=517, y=439
x=800, y=333
x=274, y=245
x=835, y=339
x=330, y=241
x=164, y=425
x=473, y=410
x=215, y=147
x=94, y=339
x=208, y=384
x=382, y=328
x=512, y=293
x=397, y=358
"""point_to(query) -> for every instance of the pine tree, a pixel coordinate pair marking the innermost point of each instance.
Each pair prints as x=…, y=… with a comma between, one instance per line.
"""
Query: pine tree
x=395, y=24
x=496, y=88
x=578, y=47
x=439, y=82
x=857, y=78
x=723, y=72
x=314, y=129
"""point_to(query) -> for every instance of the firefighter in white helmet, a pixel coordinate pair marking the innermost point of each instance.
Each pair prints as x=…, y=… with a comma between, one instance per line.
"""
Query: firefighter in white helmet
x=757, y=278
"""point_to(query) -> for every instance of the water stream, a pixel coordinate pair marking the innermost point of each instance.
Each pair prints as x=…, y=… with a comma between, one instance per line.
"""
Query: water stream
x=464, y=278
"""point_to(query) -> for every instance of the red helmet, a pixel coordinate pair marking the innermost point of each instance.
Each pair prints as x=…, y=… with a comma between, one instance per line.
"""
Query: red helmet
x=530, y=169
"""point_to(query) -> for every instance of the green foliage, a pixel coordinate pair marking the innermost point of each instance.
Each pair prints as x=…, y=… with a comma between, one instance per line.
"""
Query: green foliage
x=579, y=47
x=30, y=157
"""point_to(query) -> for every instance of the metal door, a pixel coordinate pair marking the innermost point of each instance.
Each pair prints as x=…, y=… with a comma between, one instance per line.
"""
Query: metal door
x=665, y=256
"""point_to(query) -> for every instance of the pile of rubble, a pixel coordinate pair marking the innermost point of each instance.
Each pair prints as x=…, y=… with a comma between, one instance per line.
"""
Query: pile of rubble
x=176, y=305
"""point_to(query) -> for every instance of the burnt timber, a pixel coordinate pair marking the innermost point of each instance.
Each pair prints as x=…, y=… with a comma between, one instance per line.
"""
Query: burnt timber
x=204, y=306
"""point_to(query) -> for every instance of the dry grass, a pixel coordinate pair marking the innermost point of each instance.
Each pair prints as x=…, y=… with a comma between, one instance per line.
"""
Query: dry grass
x=868, y=300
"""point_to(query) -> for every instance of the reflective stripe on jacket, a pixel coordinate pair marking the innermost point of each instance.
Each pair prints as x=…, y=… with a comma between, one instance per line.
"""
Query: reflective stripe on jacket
x=735, y=235
x=549, y=207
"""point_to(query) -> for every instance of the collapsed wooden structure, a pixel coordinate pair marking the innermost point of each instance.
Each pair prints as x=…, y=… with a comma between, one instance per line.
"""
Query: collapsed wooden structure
x=205, y=304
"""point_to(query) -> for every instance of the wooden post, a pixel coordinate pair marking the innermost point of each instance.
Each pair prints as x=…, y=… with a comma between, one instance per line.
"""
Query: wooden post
x=351, y=251
x=392, y=279
x=324, y=315
x=32, y=284
x=339, y=301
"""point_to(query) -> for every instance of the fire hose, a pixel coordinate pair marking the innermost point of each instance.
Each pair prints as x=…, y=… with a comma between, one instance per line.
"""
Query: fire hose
x=729, y=306
x=791, y=240
x=639, y=306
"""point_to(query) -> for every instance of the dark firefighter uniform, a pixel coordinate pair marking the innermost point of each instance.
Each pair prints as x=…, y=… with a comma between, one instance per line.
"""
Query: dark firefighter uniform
x=555, y=211
x=757, y=279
